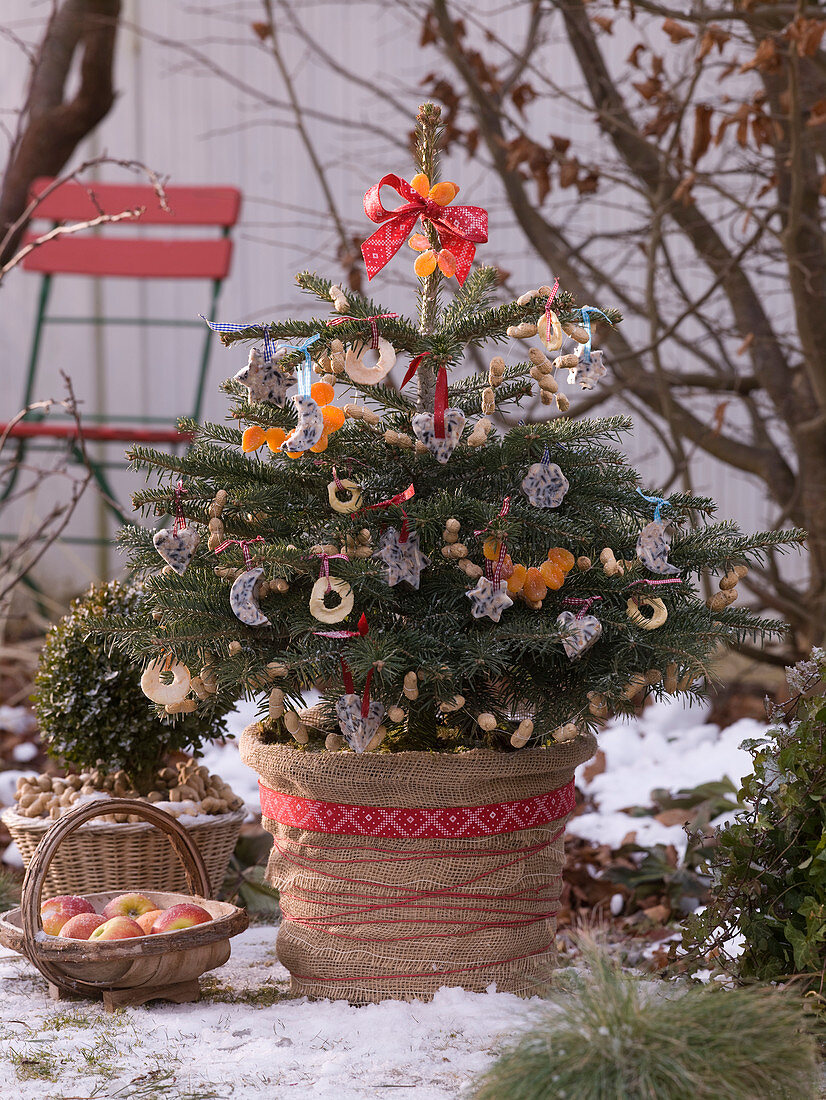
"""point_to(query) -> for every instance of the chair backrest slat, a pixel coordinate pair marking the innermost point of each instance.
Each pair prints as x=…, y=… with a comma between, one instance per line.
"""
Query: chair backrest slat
x=131, y=258
x=72, y=201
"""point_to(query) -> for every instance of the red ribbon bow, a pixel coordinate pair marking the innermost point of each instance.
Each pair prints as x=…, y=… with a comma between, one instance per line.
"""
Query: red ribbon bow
x=460, y=228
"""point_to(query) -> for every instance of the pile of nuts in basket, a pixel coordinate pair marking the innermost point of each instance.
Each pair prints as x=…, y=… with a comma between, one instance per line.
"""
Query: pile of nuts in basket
x=186, y=788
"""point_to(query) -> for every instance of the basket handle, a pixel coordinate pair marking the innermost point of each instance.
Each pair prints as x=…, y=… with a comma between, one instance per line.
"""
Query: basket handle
x=197, y=876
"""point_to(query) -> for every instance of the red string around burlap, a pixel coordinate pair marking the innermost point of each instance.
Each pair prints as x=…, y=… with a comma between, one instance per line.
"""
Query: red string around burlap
x=460, y=228
x=374, y=328
x=245, y=547
x=180, y=519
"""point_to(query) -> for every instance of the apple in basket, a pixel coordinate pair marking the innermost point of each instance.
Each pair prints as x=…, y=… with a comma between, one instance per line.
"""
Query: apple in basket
x=128, y=905
x=185, y=914
x=81, y=926
x=117, y=928
x=55, y=912
x=146, y=920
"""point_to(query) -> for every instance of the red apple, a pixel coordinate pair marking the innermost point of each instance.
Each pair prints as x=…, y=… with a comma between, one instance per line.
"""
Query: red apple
x=117, y=928
x=56, y=911
x=128, y=905
x=146, y=920
x=185, y=914
x=81, y=926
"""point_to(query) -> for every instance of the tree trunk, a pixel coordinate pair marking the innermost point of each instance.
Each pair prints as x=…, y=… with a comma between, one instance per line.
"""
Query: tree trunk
x=50, y=129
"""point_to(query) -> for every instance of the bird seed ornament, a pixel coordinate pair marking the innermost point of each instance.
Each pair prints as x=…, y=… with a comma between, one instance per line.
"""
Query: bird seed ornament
x=401, y=554
x=265, y=381
x=489, y=599
x=581, y=632
x=243, y=598
x=441, y=430
x=544, y=484
x=177, y=546
x=358, y=728
x=589, y=369
x=653, y=543
x=310, y=425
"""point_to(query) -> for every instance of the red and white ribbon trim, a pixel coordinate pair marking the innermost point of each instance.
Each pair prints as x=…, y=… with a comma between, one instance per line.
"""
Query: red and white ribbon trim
x=416, y=823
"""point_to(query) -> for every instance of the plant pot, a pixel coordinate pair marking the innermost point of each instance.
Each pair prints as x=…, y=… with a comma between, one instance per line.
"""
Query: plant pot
x=135, y=970
x=400, y=873
x=101, y=856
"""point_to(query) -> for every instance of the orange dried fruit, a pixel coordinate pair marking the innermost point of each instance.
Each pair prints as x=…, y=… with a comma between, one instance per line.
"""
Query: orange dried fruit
x=333, y=417
x=552, y=575
x=425, y=264
x=253, y=438
x=420, y=184
x=443, y=193
x=491, y=549
x=275, y=437
x=447, y=263
x=322, y=393
x=563, y=558
x=322, y=444
x=517, y=579
x=420, y=242
x=507, y=568
x=534, y=587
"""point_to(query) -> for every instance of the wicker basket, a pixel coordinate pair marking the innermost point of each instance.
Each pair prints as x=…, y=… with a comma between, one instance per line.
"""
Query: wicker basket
x=102, y=856
x=129, y=971
x=400, y=873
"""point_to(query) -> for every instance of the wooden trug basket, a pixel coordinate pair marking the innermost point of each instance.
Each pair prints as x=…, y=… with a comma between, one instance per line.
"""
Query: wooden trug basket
x=124, y=972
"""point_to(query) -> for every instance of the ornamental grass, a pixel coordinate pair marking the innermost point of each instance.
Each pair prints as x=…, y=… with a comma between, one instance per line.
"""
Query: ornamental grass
x=622, y=1038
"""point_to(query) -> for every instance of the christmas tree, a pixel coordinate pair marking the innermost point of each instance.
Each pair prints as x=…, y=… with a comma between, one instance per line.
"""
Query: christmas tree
x=444, y=582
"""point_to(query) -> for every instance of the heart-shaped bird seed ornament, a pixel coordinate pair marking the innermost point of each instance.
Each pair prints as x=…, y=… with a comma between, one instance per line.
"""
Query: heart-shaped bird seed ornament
x=358, y=729
x=177, y=549
x=580, y=633
x=424, y=428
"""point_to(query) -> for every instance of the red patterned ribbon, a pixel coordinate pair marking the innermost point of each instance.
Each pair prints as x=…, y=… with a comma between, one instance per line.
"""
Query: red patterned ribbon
x=652, y=583
x=324, y=570
x=374, y=328
x=460, y=228
x=416, y=823
x=399, y=499
x=349, y=687
x=414, y=366
x=494, y=572
x=548, y=305
x=180, y=518
x=582, y=602
x=244, y=544
x=440, y=404
x=362, y=631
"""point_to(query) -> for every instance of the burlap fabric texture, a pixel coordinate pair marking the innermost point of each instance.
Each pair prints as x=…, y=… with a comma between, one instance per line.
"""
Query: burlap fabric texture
x=367, y=917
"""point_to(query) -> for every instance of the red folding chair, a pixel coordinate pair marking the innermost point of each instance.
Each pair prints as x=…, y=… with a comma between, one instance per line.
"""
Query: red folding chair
x=96, y=256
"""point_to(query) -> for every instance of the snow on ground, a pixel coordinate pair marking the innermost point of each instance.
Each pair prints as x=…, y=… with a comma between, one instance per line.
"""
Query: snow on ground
x=247, y=1039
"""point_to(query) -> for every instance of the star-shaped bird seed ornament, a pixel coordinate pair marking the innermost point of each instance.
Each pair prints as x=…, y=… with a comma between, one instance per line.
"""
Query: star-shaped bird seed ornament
x=404, y=560
x=489, y=599
x=264, y=380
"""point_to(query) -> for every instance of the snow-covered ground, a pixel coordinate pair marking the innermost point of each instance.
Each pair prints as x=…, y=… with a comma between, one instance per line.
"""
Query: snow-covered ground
x=299, y=1049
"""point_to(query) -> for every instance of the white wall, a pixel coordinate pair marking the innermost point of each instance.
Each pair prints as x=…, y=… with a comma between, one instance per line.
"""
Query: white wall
x=198, y=128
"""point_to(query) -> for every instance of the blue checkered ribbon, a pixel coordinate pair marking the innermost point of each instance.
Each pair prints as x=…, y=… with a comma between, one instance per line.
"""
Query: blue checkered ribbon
x=586, y=313
x=661, y=503
x=270, y=345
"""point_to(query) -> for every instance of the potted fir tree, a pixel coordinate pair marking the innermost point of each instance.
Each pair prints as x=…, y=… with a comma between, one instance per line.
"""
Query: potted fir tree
x=96, y=722
x=471, y=603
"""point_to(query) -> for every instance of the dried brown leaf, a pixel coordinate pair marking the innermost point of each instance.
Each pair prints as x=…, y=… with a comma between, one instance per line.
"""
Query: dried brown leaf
x=766, y=58
x=262, y=30
x=633, y=58
x=676, y=31
x=604, y=23
x=713, y=35
x=702, y=131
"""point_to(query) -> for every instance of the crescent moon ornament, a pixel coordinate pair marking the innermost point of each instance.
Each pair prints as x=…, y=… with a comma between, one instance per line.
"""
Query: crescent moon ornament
x=365, y=374
x=310, y=425
x=243, y=598
x=318, y=608
x=155, y=689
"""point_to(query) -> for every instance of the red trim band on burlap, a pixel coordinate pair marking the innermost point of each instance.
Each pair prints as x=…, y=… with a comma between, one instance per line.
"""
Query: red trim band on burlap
x=416, y=823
